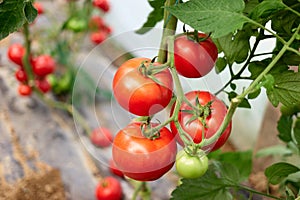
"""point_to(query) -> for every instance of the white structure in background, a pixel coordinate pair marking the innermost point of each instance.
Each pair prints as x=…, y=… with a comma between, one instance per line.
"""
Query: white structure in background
x=126, y=17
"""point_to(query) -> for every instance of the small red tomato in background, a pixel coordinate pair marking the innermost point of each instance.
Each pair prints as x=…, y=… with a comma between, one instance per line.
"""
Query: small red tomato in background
x=43, y=85
x=101, y=137
x=194, y=59
x=98, y=37
x=96, y=22
x=109, y=188
x=39, y=7
x=114, y=169
x=21, y=75
x=102, y=4
x=15, y=53
x=24, y=90
x=43, y=65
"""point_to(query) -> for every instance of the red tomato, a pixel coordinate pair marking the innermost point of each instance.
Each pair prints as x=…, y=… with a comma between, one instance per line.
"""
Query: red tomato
x=43, y=85
x=109, y=188
x=102, y=4
x=39, y=7
x=192, y=59
x=98, y=37
x=96, y=22
x=24, y=90
x=141, y=158
x=114, y=169
x=101, y=137
x=139, y=94
x=21, y=75
x=43, y=65
x=16, y=53
x=213, y=121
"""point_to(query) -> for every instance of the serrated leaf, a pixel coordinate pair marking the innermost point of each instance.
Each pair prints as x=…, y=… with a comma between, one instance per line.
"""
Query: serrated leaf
x=154, y=17
x=220, y=64
x=30, y=12
x=214, y=184
x=284, y=126
x=296, y=130
x=278, y=171
x=266, y=8
x=220, y=17
x=11, y=17
x=286, y=88
x=235, y=46
x=242, y=160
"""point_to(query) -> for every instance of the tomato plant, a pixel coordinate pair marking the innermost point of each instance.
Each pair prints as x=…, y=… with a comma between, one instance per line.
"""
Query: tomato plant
x=43, y=85
x=24, y=89
x=109, y=188
x=102, y=5
x=98, y=37
x=139, y=93
x=191, y=166
x=206, y=115
x=101, y=137
x=194, y=57
x=135, y=155
x=20, y=75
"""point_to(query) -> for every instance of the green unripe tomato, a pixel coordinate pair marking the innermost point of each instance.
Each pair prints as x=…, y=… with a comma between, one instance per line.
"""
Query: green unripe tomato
x=76, y=24
x=189, y=166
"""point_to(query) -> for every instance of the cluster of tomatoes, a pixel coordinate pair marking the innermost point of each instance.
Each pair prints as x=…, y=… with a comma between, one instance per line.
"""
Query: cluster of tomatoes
x=41, y=65
x=145, y=150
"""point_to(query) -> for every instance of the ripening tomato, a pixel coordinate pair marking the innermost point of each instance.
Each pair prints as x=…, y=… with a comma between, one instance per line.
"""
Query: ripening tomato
x=39, y=7
x=194, y=59
x=96, y=23
x=21, y=75
x=24, y=89
x=43, y=65
x=101, y=4
x=101, y=137
x=43, y=85
x=194, y=127
x=138, y=93
x=191, y=166
x=114, y=169
x=141, y=158
x=109, y=188
x=16, y=53
x=98, y=37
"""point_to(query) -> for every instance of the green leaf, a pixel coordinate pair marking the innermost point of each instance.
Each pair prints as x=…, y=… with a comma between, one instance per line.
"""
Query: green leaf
x=235, y=46
x=277, y=150
x=232, y=86
x=284, y=126
x=284, y=22
x=266, y=8
x=220, y=65
x=242, y=160
x=154, y=17
x=244, y=103
x=30, y=12
x=213, y=185
x=220, y=17
x=278, y=171
x=286, y=88
x=254, y=94
x=11, y=16
x=296, y=130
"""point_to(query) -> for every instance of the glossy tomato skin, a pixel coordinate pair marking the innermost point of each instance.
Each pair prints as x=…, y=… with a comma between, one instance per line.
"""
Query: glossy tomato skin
x=138, y=94
x=43, y=65
x=141, y=158
x=192, y=59
x=189, y=166
x=213, y=121
x=109, y=188
x=101, y=137
x=114, y=169
x=16, y=53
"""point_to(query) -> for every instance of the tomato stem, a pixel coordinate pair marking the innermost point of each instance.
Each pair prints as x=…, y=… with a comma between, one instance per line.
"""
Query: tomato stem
x=170, y=24
x=26, y=58
x=142, y=189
